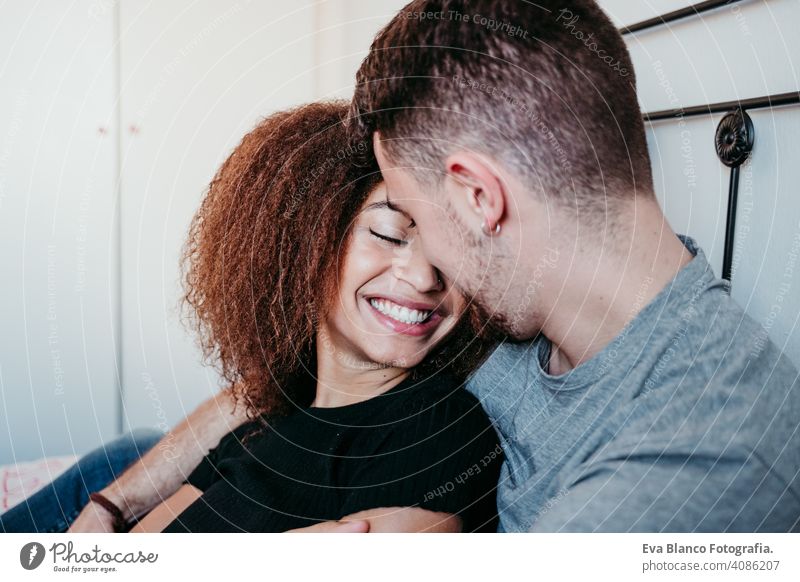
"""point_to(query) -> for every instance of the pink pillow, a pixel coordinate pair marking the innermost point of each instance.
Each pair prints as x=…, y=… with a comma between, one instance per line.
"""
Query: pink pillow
x=21, y=480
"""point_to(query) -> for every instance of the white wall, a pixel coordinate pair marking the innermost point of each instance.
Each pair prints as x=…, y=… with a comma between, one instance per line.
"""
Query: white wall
x=745, y=50
x=766, y=277
x=626, y=13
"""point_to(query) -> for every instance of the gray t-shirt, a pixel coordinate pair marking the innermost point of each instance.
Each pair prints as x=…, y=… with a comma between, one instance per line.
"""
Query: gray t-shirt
x=689, y=420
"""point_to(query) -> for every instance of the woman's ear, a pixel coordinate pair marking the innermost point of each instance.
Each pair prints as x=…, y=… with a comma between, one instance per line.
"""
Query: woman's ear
x=483, y=187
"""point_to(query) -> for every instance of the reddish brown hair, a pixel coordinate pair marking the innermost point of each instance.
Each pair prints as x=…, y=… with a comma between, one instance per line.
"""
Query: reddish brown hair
x=261, y=261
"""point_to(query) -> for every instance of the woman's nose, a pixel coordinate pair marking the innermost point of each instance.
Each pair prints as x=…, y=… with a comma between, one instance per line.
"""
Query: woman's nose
x=410, y=265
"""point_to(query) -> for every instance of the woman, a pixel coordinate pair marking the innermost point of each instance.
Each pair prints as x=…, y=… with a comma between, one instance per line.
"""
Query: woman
x=346, y=348
x=345, y=345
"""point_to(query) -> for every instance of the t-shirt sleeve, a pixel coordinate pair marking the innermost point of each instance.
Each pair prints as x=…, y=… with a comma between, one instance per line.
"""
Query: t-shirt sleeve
x=207, y=472
x=442, y=456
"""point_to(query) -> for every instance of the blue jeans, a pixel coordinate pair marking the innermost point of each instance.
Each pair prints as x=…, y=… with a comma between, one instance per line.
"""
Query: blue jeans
x=54, y=507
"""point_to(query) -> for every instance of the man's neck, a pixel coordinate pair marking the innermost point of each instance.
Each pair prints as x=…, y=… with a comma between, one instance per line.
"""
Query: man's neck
x=604, y=292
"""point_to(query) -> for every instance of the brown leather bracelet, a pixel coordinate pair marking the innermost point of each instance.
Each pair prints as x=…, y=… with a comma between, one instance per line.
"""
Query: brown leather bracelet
x=119, y=524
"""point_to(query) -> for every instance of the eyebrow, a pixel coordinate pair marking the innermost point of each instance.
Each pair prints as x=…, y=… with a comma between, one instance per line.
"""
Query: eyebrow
x=392, y=206
x=379, y=205
x=388, y=205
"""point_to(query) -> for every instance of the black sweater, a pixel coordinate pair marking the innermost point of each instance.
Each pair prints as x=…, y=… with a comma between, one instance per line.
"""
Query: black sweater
x=421, y=444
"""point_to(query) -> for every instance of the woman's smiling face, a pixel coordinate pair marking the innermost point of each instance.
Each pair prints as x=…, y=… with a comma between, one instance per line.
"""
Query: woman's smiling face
x=393, y=307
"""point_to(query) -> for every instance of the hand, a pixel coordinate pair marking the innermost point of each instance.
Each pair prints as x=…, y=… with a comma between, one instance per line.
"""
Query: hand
x=355, y=526
x=93, y=519
x=391, y=520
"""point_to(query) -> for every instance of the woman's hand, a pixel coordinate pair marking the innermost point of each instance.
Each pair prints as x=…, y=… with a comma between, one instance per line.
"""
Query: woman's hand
x=389, y=520
x=359, y=526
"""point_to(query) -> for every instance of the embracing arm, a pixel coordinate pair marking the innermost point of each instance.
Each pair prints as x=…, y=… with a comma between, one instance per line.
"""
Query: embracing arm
x=166, y=512
x=160, y=472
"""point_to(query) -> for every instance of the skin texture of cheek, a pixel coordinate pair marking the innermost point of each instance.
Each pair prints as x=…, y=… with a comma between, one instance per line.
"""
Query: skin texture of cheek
x=356, y=339
x=484, y=272
x=481, y=273
x=373, y=267
x=450, y=247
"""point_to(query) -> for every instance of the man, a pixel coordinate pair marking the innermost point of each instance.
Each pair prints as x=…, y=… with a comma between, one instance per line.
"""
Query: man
x=635, y=395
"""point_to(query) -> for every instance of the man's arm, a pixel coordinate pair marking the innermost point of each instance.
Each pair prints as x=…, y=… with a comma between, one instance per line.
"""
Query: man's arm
x=166, y=512
x=160, y=472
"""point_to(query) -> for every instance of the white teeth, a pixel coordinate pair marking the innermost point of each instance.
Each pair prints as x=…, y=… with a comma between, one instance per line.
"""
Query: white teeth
x=401, y=314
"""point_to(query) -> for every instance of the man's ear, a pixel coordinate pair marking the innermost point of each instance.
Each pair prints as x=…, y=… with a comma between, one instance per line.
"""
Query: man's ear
x=484, y=187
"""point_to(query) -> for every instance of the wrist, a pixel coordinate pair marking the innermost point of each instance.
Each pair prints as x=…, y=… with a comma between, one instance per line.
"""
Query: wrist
x=118, y=523
x=115, y=496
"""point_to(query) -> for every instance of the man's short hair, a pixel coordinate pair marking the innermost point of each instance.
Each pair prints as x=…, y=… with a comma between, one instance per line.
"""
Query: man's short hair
x=546, y=88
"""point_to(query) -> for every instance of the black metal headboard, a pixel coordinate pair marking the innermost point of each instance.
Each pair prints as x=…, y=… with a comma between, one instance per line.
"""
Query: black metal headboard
x=735, y=133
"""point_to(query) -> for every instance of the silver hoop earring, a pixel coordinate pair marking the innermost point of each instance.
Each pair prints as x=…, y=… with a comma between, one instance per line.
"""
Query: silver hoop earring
x=485, y=229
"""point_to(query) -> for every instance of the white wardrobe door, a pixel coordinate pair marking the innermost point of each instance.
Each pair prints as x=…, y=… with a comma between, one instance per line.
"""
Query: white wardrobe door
x=345, y=31
x=58, y=297
x=195, y=77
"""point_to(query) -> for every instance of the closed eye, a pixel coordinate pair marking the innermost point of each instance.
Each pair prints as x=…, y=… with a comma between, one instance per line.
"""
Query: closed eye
x=394, y=241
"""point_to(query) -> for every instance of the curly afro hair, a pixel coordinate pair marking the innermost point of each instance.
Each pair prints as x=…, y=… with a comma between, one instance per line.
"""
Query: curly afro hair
x=260, y=264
